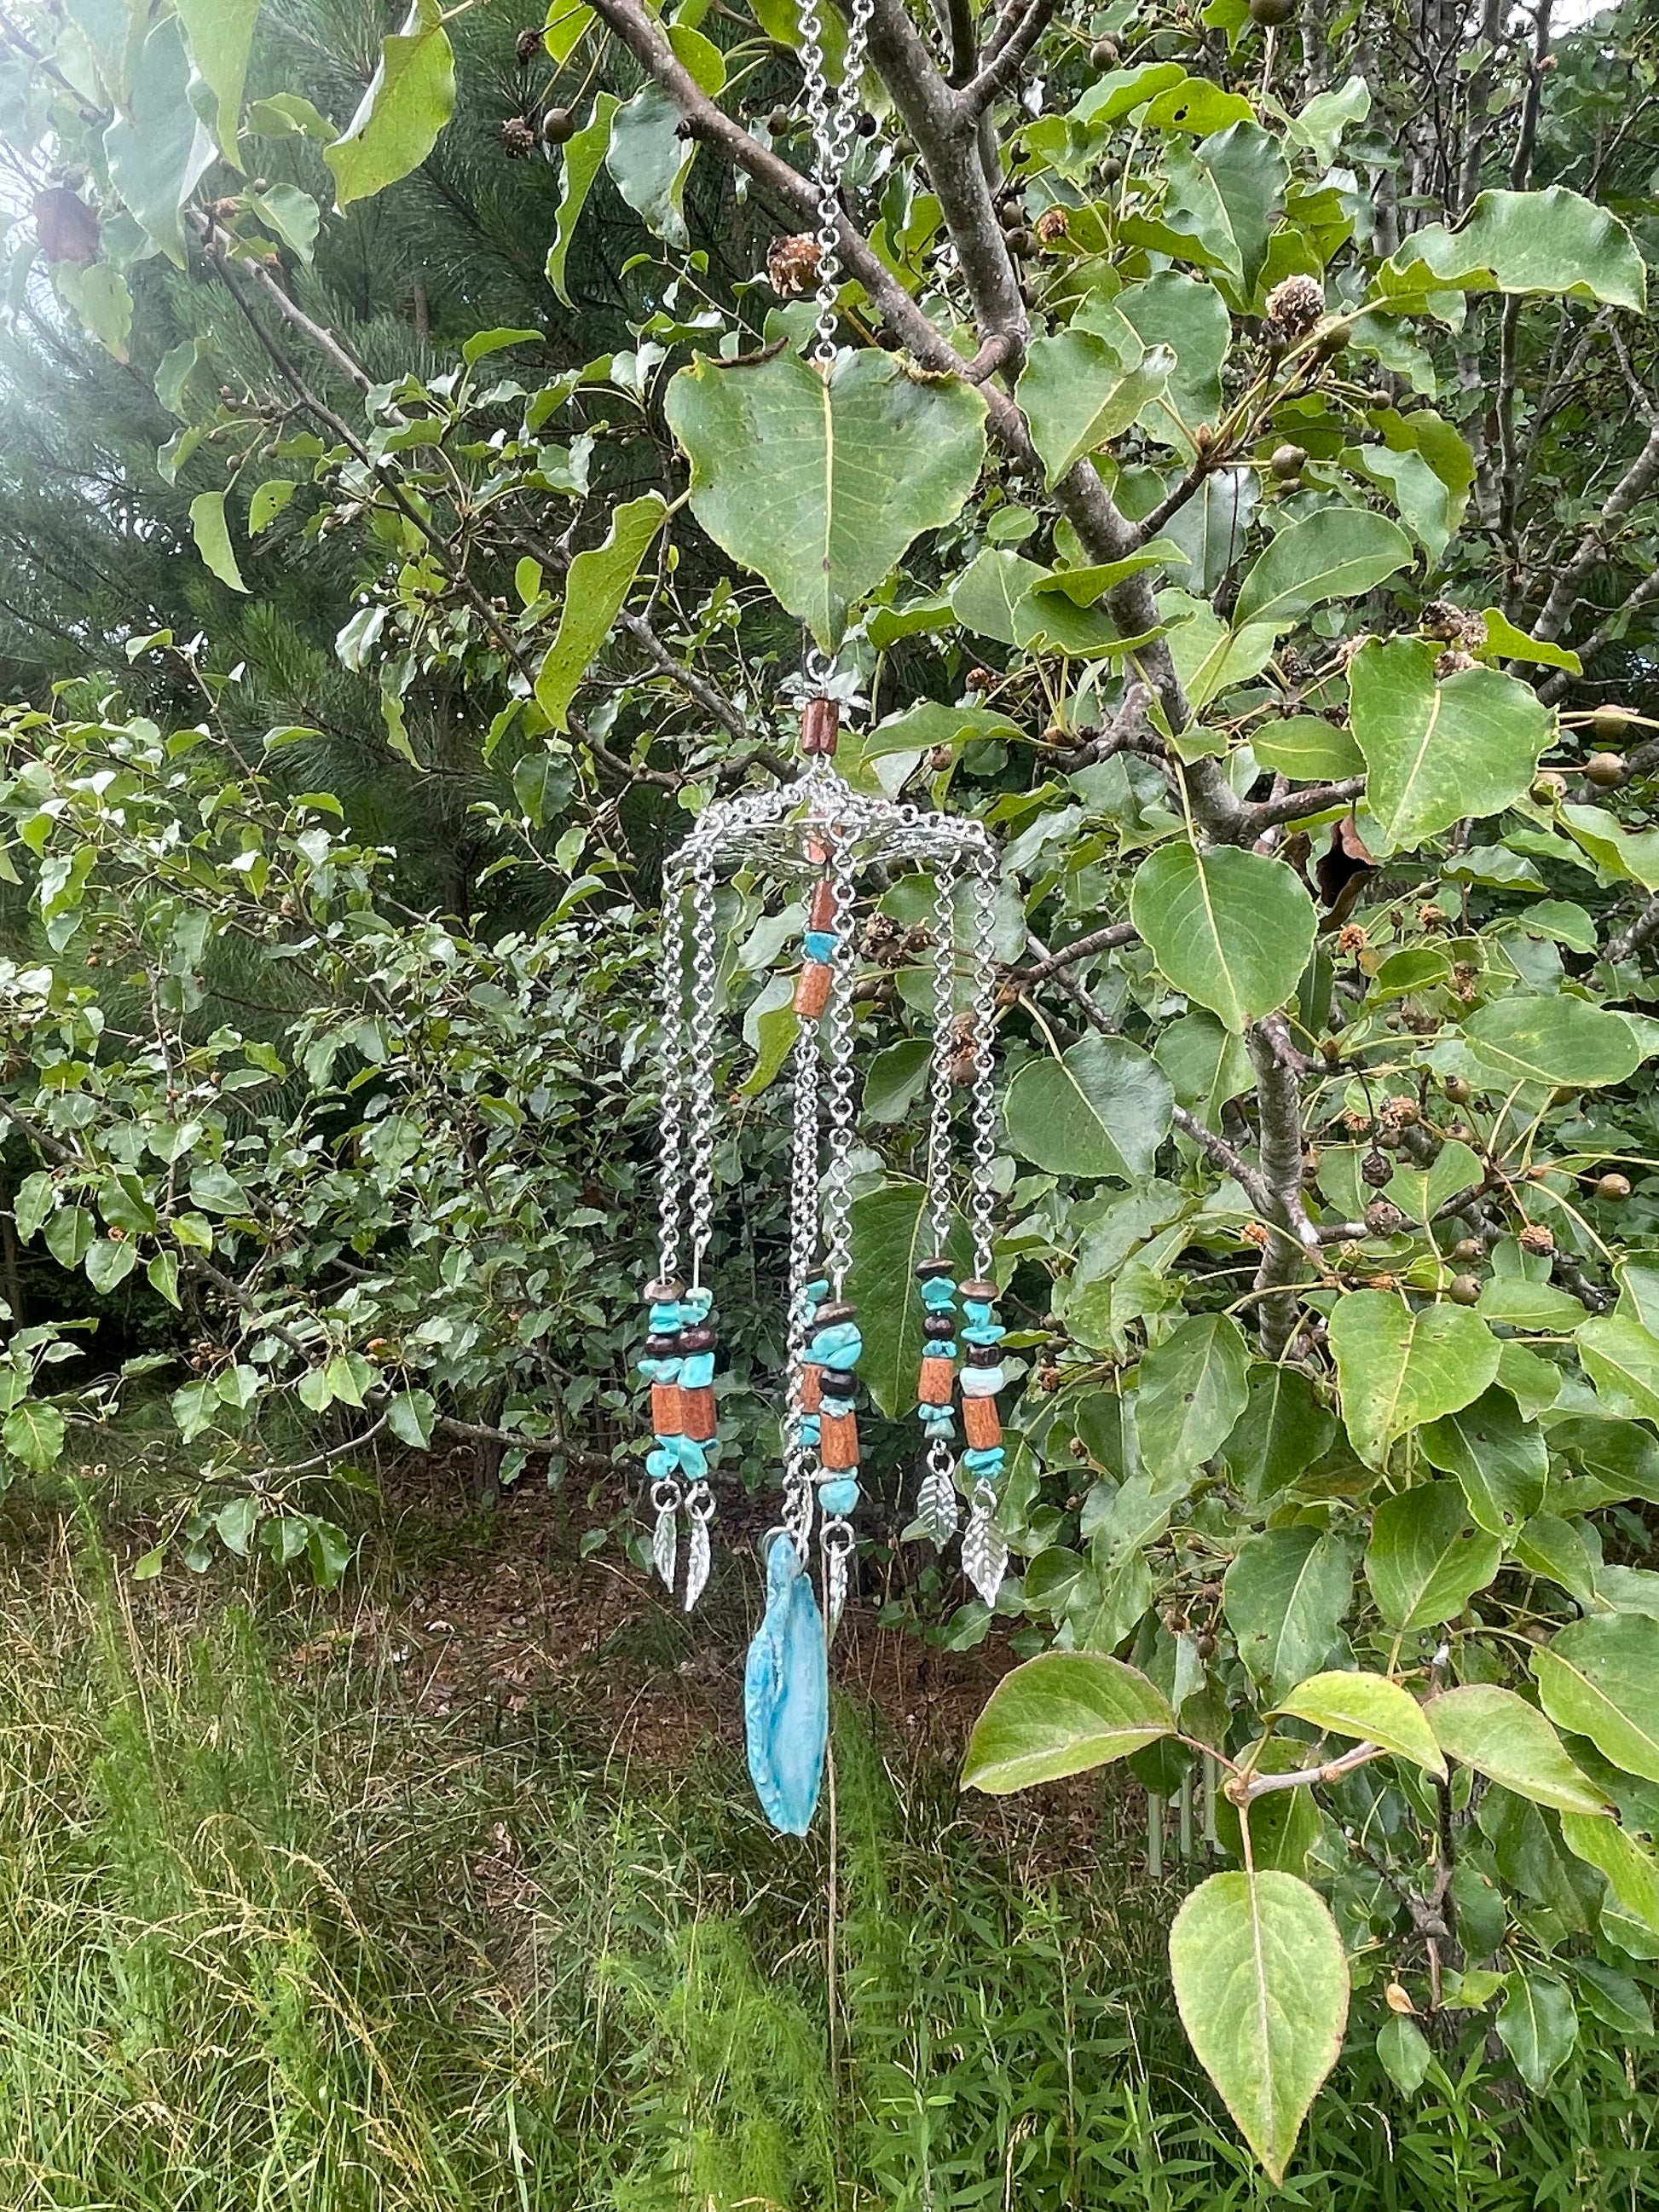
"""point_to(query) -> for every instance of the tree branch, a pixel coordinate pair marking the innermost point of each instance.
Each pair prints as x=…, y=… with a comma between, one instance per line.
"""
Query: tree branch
x=1009, y=57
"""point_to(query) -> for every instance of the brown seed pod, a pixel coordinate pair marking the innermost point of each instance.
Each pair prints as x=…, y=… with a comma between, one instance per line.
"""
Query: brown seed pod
x=517, y=138
x=559, y=125
x=1376, y=1168
x=1459, y=1089
x=1537, y=1240
x=1272, y=12
x=1467, y=1250
x=1288, y=461
x=1607, y=724
x=1383, y=1218
x=1605, y=770
x=1613, y=1187
x=1464, y=1290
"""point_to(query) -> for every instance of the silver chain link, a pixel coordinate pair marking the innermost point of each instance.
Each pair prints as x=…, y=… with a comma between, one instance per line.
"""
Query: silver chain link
x=798, y=1457
x=834, y=117
x=939, y=1122
x=983, y=1104
x=838, y=1174
x=671, y=1061
x=700, y=1060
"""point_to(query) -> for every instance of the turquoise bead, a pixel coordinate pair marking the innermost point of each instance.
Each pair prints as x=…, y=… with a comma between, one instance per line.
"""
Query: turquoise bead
x=696, y=1370
x=819, y=945
x=693, y=1459
x=986, y=1461
x=938, y=1294
x=939, y=1350
x=986, y=1381
x=665, y=1319
x=984, y=1332
x=694, y=1306
x=838, y=1496
x=660, y=1464
x=809, y=1429
x=818, y=1291
x=979, y=1309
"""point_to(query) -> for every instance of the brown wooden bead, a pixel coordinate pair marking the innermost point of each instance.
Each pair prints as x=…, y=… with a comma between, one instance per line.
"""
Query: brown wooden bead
x=983, y=1293
x=697, y=1413
x=938, y=1381
x=699, y=1339
x=665, y=1409
x=980, y=1423
x=812, y=1392
x=821, y=907
x=820, y=727
x=838, y=1441
x=813, y=990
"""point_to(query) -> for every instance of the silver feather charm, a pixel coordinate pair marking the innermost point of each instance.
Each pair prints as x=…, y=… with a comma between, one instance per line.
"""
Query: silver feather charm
x=937, y=1510
x=700, y=1510
x=984, y=1551
x=664, y=1538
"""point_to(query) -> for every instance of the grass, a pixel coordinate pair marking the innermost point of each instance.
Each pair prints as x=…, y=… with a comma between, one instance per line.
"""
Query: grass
x=270, y=1944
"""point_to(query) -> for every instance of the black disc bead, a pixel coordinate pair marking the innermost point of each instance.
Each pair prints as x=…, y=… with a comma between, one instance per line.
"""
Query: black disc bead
x=837, y=1382
x=836, y=1311
x=984, y=1355
x=929, y=1271
x=698, y=1340
x=939, y=1325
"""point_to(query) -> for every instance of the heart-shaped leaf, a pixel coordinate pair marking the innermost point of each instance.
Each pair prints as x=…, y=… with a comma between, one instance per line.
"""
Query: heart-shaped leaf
x=1398, y=1368
x=1426, y=1559
x=818, y=483
x=1438, y=751
x=1261, y=1983
x=1078, y=392
x=1062, y=1713
x=1102, y=1109
x=1230, y=929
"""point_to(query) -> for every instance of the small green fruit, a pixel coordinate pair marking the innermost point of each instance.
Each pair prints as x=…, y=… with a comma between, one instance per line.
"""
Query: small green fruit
x=1463, y=1291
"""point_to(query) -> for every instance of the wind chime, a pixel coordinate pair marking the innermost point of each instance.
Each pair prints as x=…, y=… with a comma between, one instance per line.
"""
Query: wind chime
x=820, y=838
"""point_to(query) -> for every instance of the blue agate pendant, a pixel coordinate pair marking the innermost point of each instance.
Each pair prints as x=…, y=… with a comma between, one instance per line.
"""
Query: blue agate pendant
x=786, y=1694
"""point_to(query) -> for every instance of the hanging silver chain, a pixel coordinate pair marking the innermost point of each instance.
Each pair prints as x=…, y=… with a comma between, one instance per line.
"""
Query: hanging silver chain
x=983, y=1105
x=798, y=1457
x=838, y=1173
x=834, y=117
x=671, y=1061
x=938, y=1122
x=699, y=1070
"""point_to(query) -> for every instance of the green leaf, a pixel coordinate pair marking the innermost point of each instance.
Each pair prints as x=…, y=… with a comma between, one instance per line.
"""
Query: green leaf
x=1599, y=1677
x=1502, y=1737
x=99, y=297
x=158, y=151
x=1426, y=1559
x=1621, y=1358
x=1614, y=1998
x=293, y=216
x=1262, y=1984
x=220, y=35
x=567, y=21
x=1632, y=1873
x=109, y=1262
x=1553, y=1038
x=409, y=99
x=649, y=162
x=1062, y=1713
x=1078, y=393
x=1193, y=1388
x=288, y=115
x=34, y=1205
x=1501, y=1461
x=890, y=1236
x=1284, y=1596
x=1224, y=195
x=1404, y=2053
x=584, y=157
x=212, y=535
x=34, y=1433
x=1282, y=1429
x=1632, y=855
x=69, y=1233
x=1398, y=1367
x=1536, y=2022
x=1435, y=752
x=1336, y=554
x=162, y=1272
x=1504, y=642
x=1371, y=1709
x=895, y=1079
x=598, y=583
x=820, y=485
x=1551, y=241
x=268, y=503
x=347, y=1374
x=1103, y=1109
x=1190, y=318
x=410, y=1415
x=1308, y=749
x=1550, y=1546
x=235, y=1521
x=986, y=595
x=1231, y=929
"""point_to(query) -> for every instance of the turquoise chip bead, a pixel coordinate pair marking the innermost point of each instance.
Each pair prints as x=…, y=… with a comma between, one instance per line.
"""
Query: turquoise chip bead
x=810, y=1430
x=840, y=1496
x=986, y=1461
x=694, y=1306
x=984, y=1332
x=660, y=1464
x=819, y=945
x=696, y=1370
x=665, y=1319
x=692, y=1457
x=938, y=1294
x=817, y=1290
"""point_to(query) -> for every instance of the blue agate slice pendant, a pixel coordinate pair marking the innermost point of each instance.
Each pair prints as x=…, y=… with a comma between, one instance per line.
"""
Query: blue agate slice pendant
x=786, y=1694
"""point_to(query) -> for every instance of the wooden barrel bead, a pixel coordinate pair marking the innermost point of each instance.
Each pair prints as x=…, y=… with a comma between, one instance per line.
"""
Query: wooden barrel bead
x=820, y=727
x=812, y=989
x=811, y=1387
x=938, y=1381
x=838, y=1441
x=697, y=1414
x=980, y=1423
x=665, y=1409
x=821, y=908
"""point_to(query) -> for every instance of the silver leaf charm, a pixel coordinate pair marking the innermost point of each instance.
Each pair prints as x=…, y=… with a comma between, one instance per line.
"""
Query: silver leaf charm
x=984, y=1551
x=700, y=1508
x=665, y=1542
x=937, y=1511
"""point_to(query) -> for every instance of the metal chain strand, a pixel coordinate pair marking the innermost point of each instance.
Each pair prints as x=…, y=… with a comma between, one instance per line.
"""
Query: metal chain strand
x=983, y=1104
x=700, y=1061
x=838, y=1174
x=832, y=117
x=670, y=1059
x=939, y=1122
x=798, y=1457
